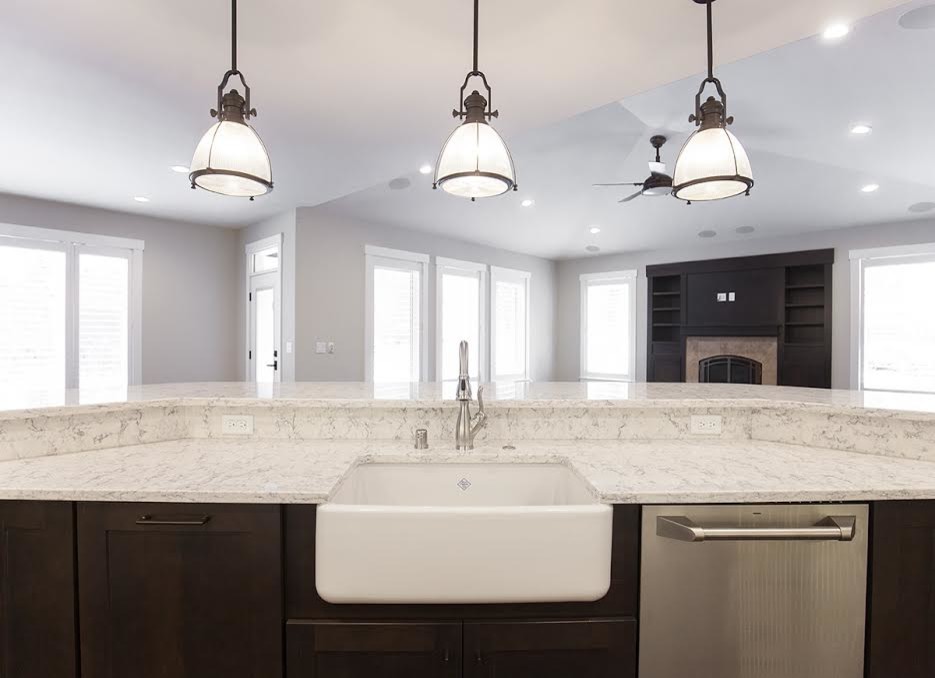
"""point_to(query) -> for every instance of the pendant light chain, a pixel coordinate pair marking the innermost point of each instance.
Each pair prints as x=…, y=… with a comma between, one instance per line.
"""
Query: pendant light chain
x=234, y=36
x=476, y=12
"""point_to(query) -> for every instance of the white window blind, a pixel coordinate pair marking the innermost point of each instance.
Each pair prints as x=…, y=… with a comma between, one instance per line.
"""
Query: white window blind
x=395, y=315
x=510, y=320
x=897, y=321
x=32, y=319
x=69, y=312
x=461, y=291
x=608, y=319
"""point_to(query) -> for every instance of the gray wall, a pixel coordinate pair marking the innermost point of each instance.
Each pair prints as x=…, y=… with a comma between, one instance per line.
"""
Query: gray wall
x=189, y=270
x=282, y=223
x=844, y=240
x=330, y=289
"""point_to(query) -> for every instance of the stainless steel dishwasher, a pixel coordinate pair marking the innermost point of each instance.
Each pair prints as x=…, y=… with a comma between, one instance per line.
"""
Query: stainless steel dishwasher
x=755, y=591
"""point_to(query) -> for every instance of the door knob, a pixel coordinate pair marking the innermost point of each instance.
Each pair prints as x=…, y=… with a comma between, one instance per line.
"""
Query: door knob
x=274, y=365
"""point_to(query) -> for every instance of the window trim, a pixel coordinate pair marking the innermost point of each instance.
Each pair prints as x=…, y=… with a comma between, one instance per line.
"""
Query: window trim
x=512, y=275
x=607, y=277
x=403, y=260
x=74, y=243
x=860, y=261
x=467, y=269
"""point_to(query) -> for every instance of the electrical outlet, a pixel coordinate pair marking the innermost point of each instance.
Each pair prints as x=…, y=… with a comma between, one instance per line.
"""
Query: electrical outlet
x=706, y=424
x=237, y=424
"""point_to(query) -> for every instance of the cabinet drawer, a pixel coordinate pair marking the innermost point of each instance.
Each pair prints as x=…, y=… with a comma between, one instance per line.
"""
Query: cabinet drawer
x=171, y=590
x=370, y=649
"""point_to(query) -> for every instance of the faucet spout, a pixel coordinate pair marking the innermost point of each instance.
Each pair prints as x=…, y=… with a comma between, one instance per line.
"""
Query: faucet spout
x=467, y=427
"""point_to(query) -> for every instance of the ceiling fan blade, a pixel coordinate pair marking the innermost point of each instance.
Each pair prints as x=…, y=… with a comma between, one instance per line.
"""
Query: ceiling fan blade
x=630, y=197
x=629, y=183
x=657, y=167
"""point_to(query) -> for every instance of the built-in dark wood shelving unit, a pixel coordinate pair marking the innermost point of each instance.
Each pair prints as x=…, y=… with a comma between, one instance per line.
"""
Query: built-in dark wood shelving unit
x=787, y=296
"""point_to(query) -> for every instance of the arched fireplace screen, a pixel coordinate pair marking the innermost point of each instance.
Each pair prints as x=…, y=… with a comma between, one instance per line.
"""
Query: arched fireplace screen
x=730, y=369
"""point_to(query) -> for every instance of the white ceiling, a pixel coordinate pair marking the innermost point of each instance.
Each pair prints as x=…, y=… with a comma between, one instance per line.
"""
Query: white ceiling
x=100, y=96
x=793, y=107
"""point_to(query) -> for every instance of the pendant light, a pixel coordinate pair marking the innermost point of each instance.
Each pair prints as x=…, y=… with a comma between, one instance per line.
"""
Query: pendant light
x=713, y=163
x=231, y=159
x=475, y=162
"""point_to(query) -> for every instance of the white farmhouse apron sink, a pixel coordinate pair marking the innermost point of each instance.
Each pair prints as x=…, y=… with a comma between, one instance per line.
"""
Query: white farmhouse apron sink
x=462, y=533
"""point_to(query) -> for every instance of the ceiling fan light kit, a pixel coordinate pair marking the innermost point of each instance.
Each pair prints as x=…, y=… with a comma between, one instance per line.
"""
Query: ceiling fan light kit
x=712, y=164
x=231, y=159
x=475, y=161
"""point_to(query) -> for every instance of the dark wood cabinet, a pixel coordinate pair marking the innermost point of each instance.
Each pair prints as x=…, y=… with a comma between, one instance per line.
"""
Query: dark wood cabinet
x=370, y=649
x=901, y=620
x=178, y=591
x=37, y=590
x=600, y=648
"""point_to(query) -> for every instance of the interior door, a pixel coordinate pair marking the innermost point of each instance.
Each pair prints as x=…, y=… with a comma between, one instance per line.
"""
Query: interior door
x=264, y=353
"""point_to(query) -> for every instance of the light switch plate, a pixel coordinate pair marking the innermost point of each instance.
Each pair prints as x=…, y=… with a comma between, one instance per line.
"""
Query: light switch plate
x=721, y=296
x=330, y=347
x=706, y=424
x=321, y=347
x=237, y=424
x=288, y=347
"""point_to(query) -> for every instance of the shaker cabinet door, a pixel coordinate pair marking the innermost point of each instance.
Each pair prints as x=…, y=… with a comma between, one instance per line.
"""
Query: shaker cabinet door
x=373, y=650
x=902, y=591
x=600, y=648
x=179, y=591
x=37, y=590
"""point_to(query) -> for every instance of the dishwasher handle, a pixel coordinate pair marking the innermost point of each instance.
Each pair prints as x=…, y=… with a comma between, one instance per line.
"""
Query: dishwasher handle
x=832, y=528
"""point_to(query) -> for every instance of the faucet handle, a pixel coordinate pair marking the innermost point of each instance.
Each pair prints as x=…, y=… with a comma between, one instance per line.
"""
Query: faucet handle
x=480, y=400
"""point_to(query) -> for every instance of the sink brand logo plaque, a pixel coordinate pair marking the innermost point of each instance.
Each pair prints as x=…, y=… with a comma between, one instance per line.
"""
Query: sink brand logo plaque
x=464, y=483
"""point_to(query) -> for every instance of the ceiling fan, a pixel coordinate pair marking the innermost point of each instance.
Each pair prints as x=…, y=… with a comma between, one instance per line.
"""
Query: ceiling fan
x=658, y=182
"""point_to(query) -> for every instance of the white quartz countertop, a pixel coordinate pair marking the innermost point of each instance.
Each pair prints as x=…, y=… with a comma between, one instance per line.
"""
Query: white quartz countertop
x=19, y=403
x=645, y=472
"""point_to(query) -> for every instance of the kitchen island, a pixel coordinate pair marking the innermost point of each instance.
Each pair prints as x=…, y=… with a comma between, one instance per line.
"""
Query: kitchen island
x=171, y=530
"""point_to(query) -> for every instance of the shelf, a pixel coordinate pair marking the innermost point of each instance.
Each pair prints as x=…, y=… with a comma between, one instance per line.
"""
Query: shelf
x=805, y=305
x=795, y=324
x=810, y=344
x=667, y=308
x=805, y=287
x=667, y=324
x=666, y=294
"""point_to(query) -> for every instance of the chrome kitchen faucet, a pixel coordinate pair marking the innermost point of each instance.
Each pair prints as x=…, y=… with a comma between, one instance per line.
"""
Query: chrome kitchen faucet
x=467, y=426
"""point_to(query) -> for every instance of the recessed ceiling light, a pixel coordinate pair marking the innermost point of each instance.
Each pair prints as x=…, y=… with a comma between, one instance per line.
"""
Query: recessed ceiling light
x=707, y=234
x=861, y=128
x=745, y=229
x=528, y=202
x=595, y=230
x=181, y=169
x=836, y=31
x=592, y=248
x=920, y=18
x=141, y=198
x=426, y=169
x=870, y=188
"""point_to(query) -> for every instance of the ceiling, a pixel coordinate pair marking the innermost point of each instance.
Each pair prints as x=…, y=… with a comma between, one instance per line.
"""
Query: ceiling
x=100, y=98
x=793, y=106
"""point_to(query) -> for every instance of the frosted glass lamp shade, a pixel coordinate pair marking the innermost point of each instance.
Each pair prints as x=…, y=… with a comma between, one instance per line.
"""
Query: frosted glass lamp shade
x=231, y=159
x=475, y=162
x=712, y=165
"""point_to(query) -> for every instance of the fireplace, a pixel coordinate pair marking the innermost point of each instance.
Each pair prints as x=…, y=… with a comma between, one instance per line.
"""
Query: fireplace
x=729, y=369
x=731, y=360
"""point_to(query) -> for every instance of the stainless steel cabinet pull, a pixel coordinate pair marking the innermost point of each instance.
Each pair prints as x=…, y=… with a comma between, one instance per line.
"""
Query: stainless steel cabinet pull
x=153, y=520
x=832, y=528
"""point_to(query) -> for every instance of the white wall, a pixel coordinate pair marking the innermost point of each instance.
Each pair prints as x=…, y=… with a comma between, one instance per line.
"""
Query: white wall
x=330, y=287
x=282, y=223
x=189, y=313
x=844, y=240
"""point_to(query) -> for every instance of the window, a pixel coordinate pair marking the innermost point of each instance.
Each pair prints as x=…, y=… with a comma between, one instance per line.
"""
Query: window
x=461, y=312
x=608, y=326
x=509, y=330
x=395, y=315
x=69, y=310
x=893, y=320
